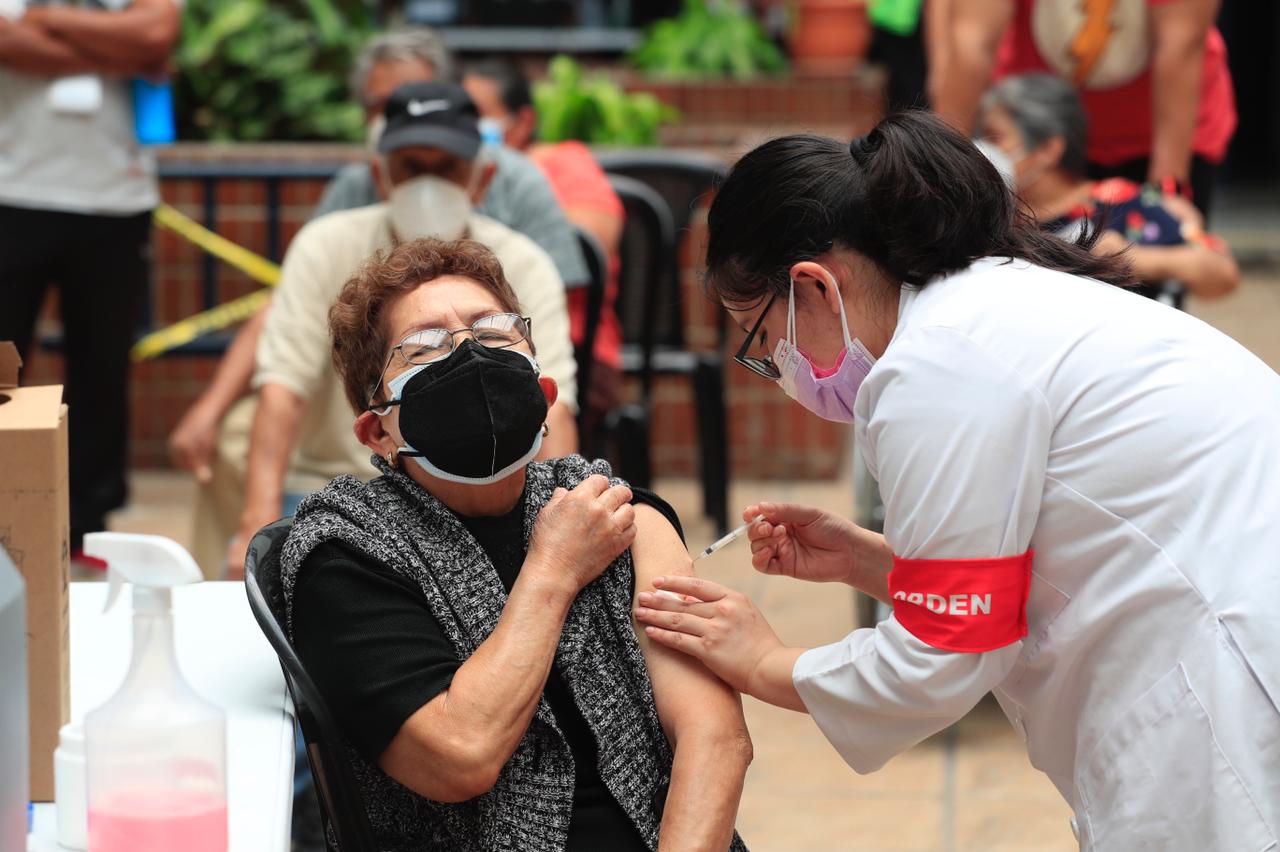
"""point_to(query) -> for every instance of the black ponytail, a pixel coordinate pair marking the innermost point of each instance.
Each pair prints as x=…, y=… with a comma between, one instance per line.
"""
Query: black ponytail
x=913, y=195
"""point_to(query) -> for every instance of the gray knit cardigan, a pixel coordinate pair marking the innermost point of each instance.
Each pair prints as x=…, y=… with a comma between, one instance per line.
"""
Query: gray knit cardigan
x=395, y=521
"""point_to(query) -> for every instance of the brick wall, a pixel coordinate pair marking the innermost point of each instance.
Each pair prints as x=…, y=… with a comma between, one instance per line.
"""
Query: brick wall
x=769, y=435
x=736, y=116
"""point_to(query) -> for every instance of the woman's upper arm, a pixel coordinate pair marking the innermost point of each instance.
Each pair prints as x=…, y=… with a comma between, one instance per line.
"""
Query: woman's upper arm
x=685, y=691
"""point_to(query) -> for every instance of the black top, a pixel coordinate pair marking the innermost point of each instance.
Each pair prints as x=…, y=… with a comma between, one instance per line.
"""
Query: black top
x=377, y=654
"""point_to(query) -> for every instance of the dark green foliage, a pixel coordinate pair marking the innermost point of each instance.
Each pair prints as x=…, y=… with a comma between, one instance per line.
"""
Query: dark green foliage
x=593, y=108
x=256, y=70
x=709, y=39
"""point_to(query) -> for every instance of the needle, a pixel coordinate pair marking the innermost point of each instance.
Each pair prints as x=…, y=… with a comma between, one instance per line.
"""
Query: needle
x=727, y=540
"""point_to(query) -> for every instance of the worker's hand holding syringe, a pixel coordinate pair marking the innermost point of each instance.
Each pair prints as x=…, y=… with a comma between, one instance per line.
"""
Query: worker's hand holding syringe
x=816, y=545
x=726, y=630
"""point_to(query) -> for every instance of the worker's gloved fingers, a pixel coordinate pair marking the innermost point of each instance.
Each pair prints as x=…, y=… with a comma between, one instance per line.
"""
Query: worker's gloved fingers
x=775, y=545
x=703, y=590
x=671, y=602
x=676, y=640
x=762, y=530
x=787, y=513
x=679, y=622
x=762, y=554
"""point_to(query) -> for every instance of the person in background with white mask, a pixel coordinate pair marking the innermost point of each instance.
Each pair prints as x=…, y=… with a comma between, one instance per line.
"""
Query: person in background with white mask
x=211, y=440
x=519, y=196
x=1033, y=127
x=430, y=165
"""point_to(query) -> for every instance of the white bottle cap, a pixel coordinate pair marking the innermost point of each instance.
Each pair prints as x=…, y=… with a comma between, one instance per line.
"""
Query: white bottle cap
x=69, y=788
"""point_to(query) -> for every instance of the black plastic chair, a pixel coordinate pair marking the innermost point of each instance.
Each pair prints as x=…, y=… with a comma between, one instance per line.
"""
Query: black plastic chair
x=647, y=303
x=585, y=353
x=341, y=806
x=683, y=179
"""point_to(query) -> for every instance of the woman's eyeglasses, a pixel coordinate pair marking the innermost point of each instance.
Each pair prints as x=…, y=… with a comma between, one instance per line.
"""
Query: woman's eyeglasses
x=496, y=331
x=760, y=366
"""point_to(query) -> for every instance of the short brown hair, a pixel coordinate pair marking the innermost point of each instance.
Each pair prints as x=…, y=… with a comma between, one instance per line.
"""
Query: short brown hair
x=356, y=320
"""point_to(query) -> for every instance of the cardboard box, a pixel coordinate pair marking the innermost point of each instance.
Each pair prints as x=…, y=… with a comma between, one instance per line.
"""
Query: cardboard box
x=35, y=531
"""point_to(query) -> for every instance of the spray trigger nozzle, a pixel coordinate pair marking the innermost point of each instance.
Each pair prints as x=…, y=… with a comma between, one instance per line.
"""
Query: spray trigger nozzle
x=147, y=561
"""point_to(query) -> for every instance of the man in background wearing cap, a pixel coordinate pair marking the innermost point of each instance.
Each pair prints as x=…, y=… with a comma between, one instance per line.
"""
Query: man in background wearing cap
x=432, y=172
x=211, y=440
x=519, y=195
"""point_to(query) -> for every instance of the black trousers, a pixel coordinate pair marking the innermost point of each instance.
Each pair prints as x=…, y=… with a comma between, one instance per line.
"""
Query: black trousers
x=100, y=265
x=1203, y=174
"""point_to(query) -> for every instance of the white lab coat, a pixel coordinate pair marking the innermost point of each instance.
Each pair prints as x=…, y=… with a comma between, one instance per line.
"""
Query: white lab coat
x=1137, y=451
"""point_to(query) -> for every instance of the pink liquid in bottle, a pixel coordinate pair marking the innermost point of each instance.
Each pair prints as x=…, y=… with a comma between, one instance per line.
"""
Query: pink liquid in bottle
x=158, y=820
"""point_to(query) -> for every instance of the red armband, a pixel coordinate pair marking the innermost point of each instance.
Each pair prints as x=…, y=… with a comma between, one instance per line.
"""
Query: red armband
x=968, y=605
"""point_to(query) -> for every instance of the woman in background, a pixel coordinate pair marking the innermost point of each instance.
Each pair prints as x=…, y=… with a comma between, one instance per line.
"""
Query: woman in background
x=1038, y=125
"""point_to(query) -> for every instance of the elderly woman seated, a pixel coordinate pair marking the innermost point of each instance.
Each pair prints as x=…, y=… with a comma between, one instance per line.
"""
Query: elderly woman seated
x=467, y=614
x=1037, y=126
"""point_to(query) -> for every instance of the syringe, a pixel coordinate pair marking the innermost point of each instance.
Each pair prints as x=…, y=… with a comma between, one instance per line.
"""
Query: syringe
x=728, y=539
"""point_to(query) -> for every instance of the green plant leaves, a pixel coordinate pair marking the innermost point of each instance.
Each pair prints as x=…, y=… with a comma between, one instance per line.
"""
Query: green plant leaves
x=253, y=70
x=595, y=109
x=709, y=39
x=227, y=19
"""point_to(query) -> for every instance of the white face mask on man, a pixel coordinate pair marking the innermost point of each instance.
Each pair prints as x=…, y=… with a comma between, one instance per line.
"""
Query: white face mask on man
x=428, y=206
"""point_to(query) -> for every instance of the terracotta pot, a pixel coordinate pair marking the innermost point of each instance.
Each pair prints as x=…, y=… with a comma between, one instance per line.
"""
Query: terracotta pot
x=830, y=35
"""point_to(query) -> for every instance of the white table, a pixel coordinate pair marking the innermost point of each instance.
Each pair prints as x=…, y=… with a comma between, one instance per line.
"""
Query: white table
x=225, y=657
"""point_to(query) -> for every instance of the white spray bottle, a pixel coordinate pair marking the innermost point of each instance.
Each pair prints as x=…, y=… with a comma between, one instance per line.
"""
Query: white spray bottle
x=155, y=752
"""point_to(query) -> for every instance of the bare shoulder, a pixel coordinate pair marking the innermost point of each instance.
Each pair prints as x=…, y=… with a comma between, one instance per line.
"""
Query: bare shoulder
x=657, y=550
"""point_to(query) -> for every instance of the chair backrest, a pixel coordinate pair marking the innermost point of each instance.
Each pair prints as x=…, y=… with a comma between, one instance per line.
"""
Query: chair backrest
x=648, y=307
x=341, y=805
x=598, y=275
x=683, y=178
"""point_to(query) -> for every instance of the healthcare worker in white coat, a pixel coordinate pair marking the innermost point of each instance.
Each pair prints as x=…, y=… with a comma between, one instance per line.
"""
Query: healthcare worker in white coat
x=1081, y=488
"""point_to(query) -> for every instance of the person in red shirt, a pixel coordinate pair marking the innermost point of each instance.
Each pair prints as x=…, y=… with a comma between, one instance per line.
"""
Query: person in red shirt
x=501, y=92
x=1152, y=75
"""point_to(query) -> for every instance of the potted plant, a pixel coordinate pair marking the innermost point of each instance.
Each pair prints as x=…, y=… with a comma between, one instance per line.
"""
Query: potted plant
x=830, y=36
x=709, y=39
x=594, y=109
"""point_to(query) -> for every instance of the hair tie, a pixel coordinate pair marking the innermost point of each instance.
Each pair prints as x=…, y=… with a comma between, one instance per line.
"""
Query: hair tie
x=861, y=147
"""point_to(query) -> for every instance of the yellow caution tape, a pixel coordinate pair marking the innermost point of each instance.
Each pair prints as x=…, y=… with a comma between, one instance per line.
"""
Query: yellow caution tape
x=255, y=266
x=215, y=319
x=184, y=331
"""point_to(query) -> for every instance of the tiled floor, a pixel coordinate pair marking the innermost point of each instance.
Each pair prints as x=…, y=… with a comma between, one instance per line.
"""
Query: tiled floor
x=968, y=788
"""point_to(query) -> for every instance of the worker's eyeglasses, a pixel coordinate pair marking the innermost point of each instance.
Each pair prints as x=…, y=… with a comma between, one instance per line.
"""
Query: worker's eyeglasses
x=760, y=366
x=496, y=331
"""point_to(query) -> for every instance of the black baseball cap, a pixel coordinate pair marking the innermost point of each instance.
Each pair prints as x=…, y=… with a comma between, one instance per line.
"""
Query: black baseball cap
x=431, y=115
